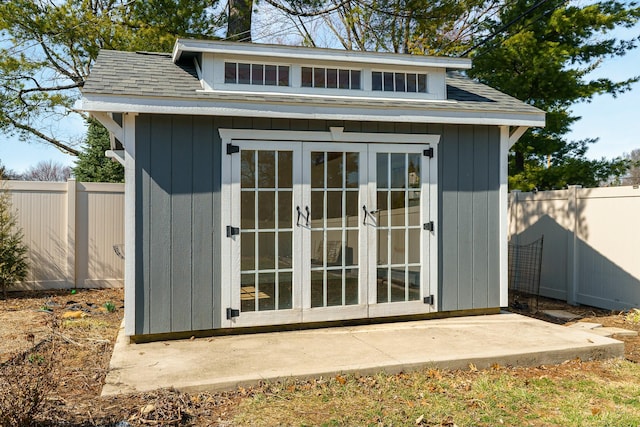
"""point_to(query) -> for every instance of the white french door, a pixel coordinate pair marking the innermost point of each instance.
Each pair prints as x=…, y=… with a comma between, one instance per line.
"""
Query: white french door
x=323, y=231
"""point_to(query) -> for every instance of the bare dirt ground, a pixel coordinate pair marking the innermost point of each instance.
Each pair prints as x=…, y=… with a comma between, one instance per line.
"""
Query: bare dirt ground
x=66, y=339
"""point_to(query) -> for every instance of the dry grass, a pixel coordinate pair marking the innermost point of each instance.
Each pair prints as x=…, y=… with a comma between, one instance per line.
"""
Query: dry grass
x=71, y=363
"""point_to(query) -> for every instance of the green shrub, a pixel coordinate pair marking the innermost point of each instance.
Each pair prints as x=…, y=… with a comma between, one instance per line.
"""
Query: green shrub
x=13, y=253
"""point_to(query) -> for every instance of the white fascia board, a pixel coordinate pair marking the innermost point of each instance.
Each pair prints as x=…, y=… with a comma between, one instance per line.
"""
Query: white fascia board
x=315, y=54
x=363, y=112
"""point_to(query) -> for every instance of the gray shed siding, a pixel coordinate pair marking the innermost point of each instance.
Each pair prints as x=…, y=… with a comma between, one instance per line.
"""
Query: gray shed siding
x=178, y=215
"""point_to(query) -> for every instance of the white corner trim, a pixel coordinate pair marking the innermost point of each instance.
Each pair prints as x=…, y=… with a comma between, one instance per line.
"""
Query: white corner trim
x=112, y=126
x=129, y=142
x=503, y=223
x=335, y=134
x=517, y=134
x=434, y=256
x=117, y=155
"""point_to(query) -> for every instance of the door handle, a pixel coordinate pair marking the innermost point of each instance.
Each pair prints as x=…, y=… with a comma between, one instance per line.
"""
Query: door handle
x=366, y=213
x=306, y=208
x=299, y=215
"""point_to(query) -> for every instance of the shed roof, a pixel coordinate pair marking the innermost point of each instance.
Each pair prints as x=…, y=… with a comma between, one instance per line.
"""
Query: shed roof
x=152, y=83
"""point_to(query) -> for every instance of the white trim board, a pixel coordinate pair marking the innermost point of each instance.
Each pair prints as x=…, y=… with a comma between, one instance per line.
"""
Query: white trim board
x=363, y=112
x=335, y=134
x=304, y=53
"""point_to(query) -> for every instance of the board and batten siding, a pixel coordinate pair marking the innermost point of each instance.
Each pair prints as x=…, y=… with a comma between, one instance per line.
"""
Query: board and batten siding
x=178, y=160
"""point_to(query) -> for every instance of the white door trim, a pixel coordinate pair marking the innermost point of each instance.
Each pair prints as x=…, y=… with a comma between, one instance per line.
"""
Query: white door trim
x=335, y=136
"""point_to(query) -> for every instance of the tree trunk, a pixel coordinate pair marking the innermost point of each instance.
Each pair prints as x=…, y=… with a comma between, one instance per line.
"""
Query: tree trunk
x=239, y=24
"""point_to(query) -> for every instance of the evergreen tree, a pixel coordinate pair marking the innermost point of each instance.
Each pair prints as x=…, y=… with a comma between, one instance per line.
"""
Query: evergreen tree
x=13, y=253
x=92, y=165
x=544, y=58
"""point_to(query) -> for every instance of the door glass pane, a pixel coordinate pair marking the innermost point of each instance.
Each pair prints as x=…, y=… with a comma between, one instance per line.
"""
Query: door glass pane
x=266, y=209
x=285, y=209
x=398, y=170
x=317, y=170
x=383, y=244
x=247, y=292
x=317, y=248
x=285, y=169
x=317, y=209
x=335, y=169
x=413, y=170
x=247, y=251
x=317, y=288
x=285, y=249
x=382, y=285
x=266, y=291
x=351, y=248
x=397, y=246
x=334, y=247
x=266, y=169
x=352, y=166
x=414, y=245
x=352, y=209
x=382, y=170
x=414, y=283
x=247, y=169
x=383, y=208
x=334, y=287
x=285, y=291
x=398, y=285
x=397, y=208
x=247, y=210
x=334, y=208
x=266, y=250
x=351, y=286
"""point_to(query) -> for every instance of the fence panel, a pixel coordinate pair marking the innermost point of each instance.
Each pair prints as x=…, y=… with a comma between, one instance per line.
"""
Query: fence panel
x=591, y=243
x=70, y=229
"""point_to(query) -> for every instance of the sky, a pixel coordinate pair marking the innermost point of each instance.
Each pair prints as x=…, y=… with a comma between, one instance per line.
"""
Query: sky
x=615, y=121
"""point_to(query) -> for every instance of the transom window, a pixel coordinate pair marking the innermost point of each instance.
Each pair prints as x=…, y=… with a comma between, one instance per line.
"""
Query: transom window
x=398, y=82
x=256, y=74
x=331, y=78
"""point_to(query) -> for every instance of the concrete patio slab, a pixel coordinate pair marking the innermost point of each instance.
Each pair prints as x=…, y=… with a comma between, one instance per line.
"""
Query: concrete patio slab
x=224, y=363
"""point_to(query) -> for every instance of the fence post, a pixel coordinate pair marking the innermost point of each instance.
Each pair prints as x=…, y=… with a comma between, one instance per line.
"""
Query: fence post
x=71, y=232
x=572, y=245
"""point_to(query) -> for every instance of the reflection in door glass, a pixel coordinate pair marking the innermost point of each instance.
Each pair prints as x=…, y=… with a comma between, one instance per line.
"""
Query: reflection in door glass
x=398, y=232
x=335, y=228
x=266, y=232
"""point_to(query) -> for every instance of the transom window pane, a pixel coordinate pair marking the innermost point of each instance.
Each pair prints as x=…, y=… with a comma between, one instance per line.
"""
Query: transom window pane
x=398, y=82
x=256, y=74
x=330, y=78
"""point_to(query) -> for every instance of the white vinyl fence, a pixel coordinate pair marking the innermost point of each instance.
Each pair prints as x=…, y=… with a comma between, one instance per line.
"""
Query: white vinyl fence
x=591, y=251
x=70, y=229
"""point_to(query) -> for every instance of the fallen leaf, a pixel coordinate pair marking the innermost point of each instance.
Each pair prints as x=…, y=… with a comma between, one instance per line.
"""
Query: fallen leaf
x=74, y=314
x=595, y=411
x=473, y=367
x=419, y=420
x=147, y=409
x=341, y=380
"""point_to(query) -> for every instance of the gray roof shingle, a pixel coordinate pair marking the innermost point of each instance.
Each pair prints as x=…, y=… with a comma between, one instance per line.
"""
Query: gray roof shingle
x=139, y=74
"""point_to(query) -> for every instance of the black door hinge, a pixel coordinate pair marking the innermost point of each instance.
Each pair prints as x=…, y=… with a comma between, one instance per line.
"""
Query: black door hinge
x=232, y=312
x=428, y=226
x=428, y=152
x=429, y=300
x=232, y=231
x=231, y=149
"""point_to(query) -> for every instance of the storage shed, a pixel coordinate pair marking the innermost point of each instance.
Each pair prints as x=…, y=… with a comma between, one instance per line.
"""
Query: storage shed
x=276, y=185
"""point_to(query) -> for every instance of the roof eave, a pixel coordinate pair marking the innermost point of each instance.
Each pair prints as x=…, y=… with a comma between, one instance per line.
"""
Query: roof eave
x=296, y=52
x=147, y=105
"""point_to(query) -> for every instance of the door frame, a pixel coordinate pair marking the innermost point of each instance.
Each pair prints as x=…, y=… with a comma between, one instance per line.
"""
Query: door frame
x=334, y=135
